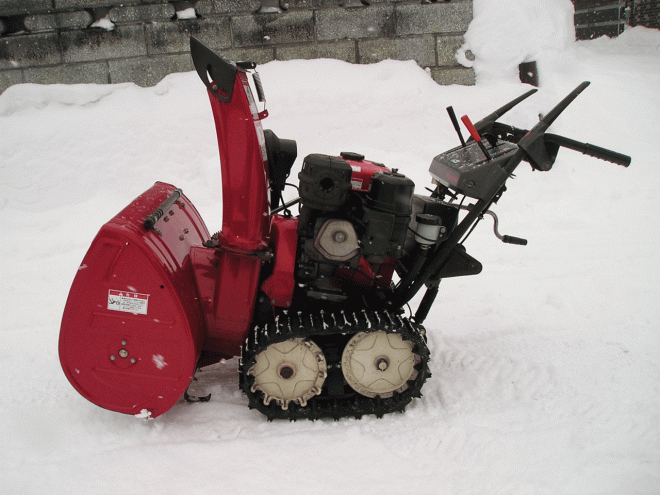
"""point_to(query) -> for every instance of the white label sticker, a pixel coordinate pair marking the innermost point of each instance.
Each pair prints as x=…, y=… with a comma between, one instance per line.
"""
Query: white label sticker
x=128, y=302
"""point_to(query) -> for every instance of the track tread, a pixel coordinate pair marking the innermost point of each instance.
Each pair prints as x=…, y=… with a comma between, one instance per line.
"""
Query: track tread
x=326, y=323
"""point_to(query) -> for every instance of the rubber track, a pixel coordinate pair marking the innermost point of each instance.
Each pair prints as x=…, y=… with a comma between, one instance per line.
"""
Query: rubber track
x=329, y=323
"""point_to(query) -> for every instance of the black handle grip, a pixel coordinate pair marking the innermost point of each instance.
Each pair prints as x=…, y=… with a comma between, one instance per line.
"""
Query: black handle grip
x=509, y=239
x=151, y=220
x=590, y=149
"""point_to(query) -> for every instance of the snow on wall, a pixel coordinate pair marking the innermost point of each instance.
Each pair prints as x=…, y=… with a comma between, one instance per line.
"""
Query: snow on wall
x=506, y=33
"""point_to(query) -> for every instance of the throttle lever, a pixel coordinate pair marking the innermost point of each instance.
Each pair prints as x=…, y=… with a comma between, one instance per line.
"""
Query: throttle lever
x=475, y=135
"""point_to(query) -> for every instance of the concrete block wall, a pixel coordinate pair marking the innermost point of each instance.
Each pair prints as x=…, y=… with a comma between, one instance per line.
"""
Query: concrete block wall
x=114, y=41
x=645, y=13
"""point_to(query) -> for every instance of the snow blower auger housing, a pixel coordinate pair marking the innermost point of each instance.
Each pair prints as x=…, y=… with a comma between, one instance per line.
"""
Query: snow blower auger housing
x=312, y=304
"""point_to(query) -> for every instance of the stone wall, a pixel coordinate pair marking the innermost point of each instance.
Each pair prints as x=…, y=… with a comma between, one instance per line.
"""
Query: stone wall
x=645, y=13
x=595, y=18
x=114, y=41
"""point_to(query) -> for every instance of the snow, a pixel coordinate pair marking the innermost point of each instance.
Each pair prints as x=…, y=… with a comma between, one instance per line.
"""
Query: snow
x=505, y=33
x=546, y=366
x=188, y=13
x=104, y=23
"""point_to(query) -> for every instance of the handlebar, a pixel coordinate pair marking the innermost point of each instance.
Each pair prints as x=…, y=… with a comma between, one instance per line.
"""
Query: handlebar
x=561, y=106
x=541, y=148
x=589, y=149
x=488, y=121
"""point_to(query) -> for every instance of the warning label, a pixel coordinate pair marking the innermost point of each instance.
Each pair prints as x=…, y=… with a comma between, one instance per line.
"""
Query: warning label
x=128, y=302
x=356, y=184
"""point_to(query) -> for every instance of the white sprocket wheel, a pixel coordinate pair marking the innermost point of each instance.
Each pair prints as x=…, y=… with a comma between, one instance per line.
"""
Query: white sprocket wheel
x=289, y=371
x=379, y=363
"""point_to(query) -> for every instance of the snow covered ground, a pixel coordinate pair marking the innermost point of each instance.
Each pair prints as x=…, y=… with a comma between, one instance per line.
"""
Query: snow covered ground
x=546, y=366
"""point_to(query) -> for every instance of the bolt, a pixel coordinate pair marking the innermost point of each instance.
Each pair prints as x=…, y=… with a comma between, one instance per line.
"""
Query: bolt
x=133, y=360
x=112, y=358
x=382, y=364
x=123, y=342
x=123, y=353
x=340, y=236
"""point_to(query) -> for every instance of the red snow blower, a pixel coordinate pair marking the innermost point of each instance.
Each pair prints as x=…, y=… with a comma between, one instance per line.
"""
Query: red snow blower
x=313, y=304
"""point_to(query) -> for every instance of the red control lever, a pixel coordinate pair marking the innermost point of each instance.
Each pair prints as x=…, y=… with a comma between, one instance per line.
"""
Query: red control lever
x=475, y=135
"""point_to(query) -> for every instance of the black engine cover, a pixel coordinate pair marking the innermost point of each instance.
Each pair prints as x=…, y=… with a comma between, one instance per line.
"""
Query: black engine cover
x=387, y=216
x=324, y=182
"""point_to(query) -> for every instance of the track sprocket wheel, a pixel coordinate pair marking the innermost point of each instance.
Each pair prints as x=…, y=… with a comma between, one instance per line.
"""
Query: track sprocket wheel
x=290, y=371
x=331, y=331
x=379, y=363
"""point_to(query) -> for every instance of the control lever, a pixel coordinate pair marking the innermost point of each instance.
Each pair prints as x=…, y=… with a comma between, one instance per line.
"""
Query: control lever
x=508, y=239
x=454, y=120
x=475, y=135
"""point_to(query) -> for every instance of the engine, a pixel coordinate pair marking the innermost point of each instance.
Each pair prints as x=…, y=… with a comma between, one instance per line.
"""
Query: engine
x=352, y=227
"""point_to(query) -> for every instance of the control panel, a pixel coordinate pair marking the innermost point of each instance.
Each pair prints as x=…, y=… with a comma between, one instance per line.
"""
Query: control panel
x=466, y=169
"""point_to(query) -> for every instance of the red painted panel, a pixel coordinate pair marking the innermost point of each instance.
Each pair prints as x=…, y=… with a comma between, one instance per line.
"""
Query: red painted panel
x=227, y=283
x=279, y=286
x=363, y=170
